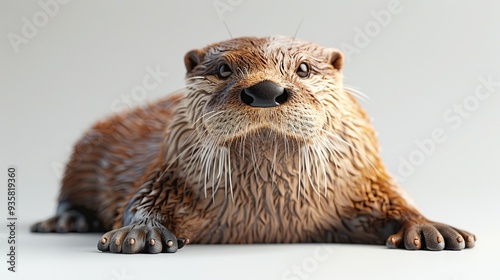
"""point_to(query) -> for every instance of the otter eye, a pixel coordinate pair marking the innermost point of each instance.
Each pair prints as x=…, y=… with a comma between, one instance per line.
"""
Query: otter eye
x=303, y=70
x=224, y=71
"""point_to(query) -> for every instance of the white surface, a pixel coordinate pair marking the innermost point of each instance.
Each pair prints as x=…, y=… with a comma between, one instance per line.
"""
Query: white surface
x=72, y=256
x=429, y=57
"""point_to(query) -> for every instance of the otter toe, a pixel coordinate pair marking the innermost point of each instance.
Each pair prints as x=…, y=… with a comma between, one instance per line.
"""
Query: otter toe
x=453, y=240
x=396, y=240
x=141, y=237
x=104, y=241
x=67, y=221
x=170, y=244
x=135, y=241
x=154, y=241
x=434, y=241
x=71, y=221
x=470, y=239
x=412, y=238
x=45, y=226
x=117, y=239
x=431, y=236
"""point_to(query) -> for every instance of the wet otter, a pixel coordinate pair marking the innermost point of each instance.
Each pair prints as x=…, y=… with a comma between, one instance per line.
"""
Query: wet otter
x=264, y=145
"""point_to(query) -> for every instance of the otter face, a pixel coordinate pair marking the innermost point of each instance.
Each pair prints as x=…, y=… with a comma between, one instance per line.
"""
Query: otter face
x=276, y=86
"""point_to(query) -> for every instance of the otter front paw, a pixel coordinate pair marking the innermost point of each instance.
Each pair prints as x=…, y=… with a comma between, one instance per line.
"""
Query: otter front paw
x=431, y=236
x=68, y=221
x=141, y=238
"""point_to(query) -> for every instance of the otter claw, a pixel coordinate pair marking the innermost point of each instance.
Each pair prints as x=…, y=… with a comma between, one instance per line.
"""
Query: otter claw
x=181, y=242
x=431, y=236
x=140, y=238
x=416, y=242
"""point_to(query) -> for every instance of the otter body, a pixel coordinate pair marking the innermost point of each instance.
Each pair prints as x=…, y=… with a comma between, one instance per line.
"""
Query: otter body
x=265, y=145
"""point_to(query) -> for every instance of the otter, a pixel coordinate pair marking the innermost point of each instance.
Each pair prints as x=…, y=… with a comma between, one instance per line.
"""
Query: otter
x=264, y=145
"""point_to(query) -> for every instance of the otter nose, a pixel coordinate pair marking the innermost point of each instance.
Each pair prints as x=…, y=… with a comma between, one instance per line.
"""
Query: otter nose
x=264, y=94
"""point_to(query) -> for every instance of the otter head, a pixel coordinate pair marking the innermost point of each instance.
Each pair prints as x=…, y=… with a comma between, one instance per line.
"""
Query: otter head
x=275, y=86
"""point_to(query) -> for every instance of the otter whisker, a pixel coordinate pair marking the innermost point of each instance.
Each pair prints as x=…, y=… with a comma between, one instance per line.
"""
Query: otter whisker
x=316, y=160
x=334, y=153
x=299, y=173
x=360, y=153
x=190, y=148
x=200, y=164
x=308, y=168
x=254, y=159
x=214, y=113
x=285, y=140
x=209, y=167
x=195, y=78
x=273, y=163
x=223, y=162
x=194, y=148
x=219, y=169
x=316, y=163
x=241, y=72
x=196, y=124
x=356, y=93
x=215, y=149
x=204, y=161
x=297, y=30
x=225, y=25
x=230, y=173
x=244, y=141
x=227, y=175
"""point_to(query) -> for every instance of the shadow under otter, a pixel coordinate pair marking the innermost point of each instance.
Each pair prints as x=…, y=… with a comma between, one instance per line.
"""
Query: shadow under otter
x=264, y=145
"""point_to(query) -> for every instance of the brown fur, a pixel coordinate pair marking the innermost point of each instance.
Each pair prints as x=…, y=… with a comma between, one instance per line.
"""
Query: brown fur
x=215, y=170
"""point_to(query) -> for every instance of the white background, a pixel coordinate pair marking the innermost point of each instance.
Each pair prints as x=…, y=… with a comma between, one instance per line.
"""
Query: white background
x=415, y=67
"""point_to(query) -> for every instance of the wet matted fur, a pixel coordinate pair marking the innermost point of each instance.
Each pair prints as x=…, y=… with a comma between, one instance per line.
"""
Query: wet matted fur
x=205, y=165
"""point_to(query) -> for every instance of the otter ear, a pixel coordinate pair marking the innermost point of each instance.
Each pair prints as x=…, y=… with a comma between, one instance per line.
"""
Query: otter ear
x=336, y=58
x=192, y=59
